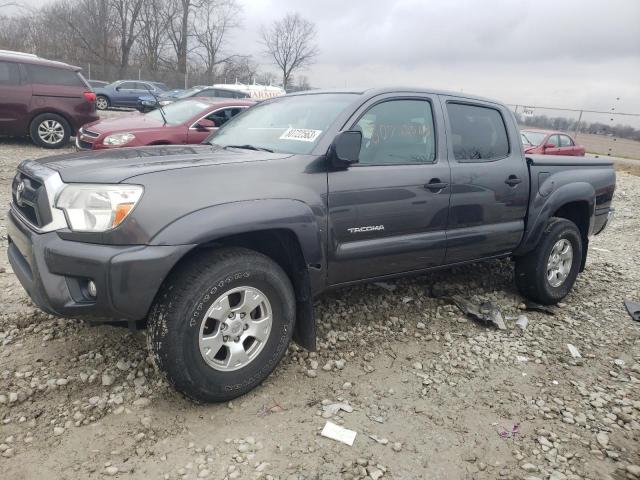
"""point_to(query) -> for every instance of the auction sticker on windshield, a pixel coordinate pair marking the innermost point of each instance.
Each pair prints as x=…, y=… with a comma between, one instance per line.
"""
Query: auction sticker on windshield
x=300, y=134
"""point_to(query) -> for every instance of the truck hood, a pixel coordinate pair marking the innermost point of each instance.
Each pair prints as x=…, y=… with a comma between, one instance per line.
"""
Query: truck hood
x=117, y=165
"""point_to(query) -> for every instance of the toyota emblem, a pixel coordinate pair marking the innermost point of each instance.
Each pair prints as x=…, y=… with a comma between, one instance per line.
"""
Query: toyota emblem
x=19, y=192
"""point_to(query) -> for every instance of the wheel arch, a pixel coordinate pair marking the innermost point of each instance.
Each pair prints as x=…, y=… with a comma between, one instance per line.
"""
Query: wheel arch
x=573, y=201
x=53, y=111
x=284, y=230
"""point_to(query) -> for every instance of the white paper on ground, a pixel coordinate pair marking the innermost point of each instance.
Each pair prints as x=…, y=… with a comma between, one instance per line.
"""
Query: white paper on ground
x=338, y=433
x=573, y=351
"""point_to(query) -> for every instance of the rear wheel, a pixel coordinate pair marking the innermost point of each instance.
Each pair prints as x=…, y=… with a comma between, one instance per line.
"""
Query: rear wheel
x=547, y=274
x=221, y=323
x=50, y=130
x=102, y=102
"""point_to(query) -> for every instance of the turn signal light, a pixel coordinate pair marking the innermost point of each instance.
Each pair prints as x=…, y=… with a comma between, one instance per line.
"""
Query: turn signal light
x=122, y=210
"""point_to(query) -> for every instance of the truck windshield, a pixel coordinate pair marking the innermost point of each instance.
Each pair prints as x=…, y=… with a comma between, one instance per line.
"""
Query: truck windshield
x=287, y=125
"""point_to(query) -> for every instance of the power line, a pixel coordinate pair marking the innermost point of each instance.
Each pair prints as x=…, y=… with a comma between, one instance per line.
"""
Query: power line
x=575, y=110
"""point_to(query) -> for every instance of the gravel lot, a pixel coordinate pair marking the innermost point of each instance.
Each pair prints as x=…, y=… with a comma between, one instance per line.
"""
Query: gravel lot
x=434, y=395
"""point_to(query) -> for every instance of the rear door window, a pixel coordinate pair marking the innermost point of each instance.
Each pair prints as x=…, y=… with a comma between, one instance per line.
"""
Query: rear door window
x=9, y=73
x=54, y=76
x=478, y=133
x=127, y=86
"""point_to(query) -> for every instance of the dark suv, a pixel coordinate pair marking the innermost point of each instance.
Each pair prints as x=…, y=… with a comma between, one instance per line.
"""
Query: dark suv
x=46, y=100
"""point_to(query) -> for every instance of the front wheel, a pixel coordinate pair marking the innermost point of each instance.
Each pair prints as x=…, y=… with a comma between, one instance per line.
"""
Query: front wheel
x=221, y=323
x=547, y=274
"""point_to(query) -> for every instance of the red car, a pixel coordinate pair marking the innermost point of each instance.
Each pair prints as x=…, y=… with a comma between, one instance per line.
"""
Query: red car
x=187, y=121
x=545, y=142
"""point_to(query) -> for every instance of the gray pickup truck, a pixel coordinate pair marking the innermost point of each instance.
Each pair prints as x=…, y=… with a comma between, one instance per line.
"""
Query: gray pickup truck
x=220, y=248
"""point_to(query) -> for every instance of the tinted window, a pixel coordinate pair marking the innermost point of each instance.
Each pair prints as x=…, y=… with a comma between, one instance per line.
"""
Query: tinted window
x=127, y=86
x=565, y=141
x=478, y=133
x=223, y=116
x=54, y=76
x=9, y=73
x=206, y=93
x=225, y=94
x=397, y=131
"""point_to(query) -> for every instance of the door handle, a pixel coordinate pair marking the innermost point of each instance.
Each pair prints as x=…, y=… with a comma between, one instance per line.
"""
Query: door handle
x=513, y=180
x=436, y=185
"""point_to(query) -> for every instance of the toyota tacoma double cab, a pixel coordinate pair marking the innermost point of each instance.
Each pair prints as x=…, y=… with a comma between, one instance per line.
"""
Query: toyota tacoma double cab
x=220, y=248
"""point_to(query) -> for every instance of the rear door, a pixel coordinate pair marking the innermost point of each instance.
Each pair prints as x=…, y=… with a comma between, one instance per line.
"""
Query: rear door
x=15, y=97
x=489, y=180
x=388, y=213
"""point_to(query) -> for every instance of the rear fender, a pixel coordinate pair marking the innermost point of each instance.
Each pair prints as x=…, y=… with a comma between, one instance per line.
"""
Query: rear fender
x=542, y=208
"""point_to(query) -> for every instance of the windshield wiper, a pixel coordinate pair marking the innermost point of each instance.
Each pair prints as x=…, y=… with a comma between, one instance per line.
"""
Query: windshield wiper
x=164, y=118
x=249, y=147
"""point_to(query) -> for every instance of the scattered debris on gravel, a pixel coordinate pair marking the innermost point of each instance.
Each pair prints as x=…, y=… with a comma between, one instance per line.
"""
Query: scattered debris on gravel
x=429, y=392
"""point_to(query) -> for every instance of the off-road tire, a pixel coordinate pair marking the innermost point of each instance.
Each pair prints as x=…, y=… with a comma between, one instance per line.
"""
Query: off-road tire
x=176, y=315
x=53, y=119
x=531, y=269
x=102, y=102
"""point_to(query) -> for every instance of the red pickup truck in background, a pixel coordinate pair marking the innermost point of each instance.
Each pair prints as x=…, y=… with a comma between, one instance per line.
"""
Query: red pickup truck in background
x=549, y=142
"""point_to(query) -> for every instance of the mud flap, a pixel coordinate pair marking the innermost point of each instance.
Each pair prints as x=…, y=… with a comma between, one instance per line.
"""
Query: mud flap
x=304, y=333
x=585, y=250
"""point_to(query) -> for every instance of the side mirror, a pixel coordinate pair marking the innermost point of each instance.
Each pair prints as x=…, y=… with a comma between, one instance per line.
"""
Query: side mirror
x=549, y=145
x=205, y=124
x=345, y=149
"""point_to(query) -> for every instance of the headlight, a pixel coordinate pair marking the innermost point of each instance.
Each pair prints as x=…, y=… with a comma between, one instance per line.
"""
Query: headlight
x=118, y=139
x=97, y=208
x=165, y=102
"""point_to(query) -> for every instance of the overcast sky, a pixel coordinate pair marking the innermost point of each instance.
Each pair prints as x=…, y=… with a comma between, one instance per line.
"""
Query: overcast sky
x=566, y=53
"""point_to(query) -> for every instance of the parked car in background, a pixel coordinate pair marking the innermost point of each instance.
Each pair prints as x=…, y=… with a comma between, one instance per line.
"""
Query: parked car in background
x=45, y=100
x=549, y=142
x=125, y=93
x=185, y=122
x=97, y=83
x=149, y=102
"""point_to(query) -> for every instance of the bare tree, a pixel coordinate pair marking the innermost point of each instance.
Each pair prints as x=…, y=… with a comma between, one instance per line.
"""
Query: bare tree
x=127, y=28
x=178, y=13
x=290, y=42
x=239, y=69
x=214, y=20
x=153, y=32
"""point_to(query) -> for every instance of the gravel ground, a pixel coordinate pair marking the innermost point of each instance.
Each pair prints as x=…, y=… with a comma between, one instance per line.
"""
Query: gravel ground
x=434, y=395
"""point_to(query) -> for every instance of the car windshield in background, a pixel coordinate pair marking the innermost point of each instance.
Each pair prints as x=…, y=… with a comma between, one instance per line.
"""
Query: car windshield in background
x=289, y=124
x=179, y=112
x=188, y=93
x=533, y=138
x=161, y=86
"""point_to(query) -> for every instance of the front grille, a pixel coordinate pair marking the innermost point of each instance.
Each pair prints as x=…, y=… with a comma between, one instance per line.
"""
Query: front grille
x=30, y=199
x=84, y=145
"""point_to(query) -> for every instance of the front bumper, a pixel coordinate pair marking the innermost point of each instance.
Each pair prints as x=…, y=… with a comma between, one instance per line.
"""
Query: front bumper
x=55, y=272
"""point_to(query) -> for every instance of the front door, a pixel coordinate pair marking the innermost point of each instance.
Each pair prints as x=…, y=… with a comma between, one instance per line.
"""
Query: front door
x=489, y=181
x=388, y=212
